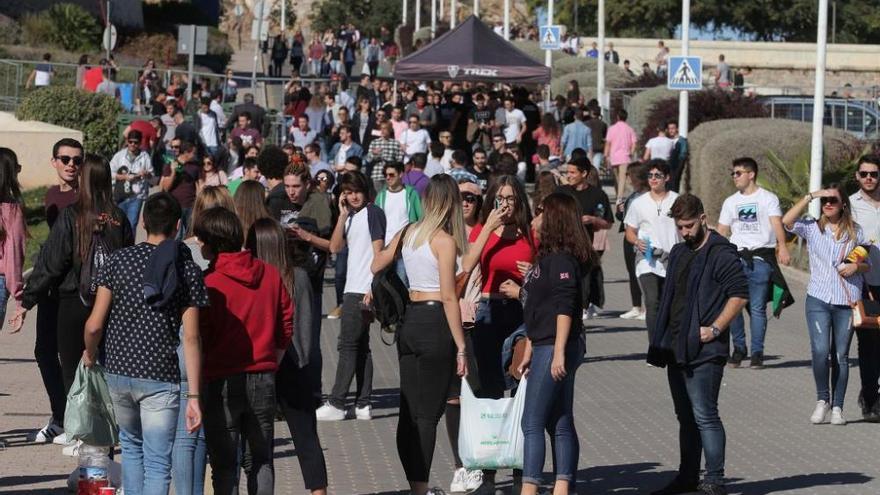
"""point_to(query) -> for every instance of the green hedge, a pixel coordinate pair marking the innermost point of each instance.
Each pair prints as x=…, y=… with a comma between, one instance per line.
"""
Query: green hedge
x=93, y=114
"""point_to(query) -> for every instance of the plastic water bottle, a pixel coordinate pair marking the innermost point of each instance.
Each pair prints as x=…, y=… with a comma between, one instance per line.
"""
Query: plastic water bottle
x=94, y=470
x=649, y=249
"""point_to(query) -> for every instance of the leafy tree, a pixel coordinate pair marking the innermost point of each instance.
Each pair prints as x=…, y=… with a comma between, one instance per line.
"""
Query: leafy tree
x=369, y=16
x=704, y=106
x=73, y=28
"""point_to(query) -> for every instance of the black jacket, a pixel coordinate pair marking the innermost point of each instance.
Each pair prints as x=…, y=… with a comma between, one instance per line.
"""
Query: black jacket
x=715, y=276
x=554, y=286
x=58, y=264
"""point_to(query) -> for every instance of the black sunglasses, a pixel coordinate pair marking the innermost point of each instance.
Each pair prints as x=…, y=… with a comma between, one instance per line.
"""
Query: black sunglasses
x=134, y=141
x=829, y=200
x=469, y=198
x=77, y=160
x=864, y=174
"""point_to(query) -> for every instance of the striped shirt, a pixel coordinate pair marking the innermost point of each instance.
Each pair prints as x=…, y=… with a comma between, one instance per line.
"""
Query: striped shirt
x=826, y=254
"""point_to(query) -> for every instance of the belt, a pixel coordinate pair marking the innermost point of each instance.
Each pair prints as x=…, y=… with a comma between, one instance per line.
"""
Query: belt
x=426, y=303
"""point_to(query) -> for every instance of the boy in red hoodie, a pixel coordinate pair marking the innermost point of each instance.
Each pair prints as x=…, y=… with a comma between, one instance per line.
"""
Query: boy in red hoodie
x=245, y=333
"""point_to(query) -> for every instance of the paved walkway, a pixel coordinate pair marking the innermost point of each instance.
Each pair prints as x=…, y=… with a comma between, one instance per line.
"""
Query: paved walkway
x=623, y=411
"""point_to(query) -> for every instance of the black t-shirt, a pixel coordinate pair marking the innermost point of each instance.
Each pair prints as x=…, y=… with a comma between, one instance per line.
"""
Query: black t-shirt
x=554, y=286
x=679, y=297
x=593, y=202
x=598, y=130
x=481, y=116
x=482, y=177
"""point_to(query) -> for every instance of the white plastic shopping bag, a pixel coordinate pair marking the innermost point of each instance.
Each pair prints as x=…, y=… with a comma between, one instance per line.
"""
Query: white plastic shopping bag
x=490, y=435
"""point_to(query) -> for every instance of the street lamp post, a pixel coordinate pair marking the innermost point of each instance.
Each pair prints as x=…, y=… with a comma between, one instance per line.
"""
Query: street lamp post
x=685, y=51
x=816, y=150
x=600, y=74
x=548, y=55
x=507, y=19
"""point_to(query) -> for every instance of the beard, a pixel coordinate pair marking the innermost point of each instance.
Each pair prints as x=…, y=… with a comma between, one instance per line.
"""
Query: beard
x=694, y=240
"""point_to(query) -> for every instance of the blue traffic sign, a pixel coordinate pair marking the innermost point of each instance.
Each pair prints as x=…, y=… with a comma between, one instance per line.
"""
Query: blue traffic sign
x=685, y=73
x=550, y=37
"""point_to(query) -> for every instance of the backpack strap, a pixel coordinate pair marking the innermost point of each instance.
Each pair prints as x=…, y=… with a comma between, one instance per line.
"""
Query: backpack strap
x=400, y=242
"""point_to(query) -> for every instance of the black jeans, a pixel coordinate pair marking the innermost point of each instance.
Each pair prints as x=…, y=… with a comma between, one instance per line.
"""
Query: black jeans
x=355, y=358
x=374, y=68
x=46, y=354
x=72, y=316
x=241, y=407
x=426, y=353
x=652, y=288
x=869, y=361
x=298, y=406
x=629, y=259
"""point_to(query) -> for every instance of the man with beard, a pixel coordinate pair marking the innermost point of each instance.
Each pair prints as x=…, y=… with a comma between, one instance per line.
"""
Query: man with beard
x=706, y=288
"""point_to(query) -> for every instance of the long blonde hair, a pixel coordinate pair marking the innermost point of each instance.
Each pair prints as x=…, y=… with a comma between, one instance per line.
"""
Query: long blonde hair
x=207, y=198
x=442, y=207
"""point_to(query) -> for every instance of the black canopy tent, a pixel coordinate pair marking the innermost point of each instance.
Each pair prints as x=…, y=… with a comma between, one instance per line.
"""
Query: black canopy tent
x=472, y=52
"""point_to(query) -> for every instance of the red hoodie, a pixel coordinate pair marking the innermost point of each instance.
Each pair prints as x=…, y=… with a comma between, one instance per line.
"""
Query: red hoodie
x=250, y=318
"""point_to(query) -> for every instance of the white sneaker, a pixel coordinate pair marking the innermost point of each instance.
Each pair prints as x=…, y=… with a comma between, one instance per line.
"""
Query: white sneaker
x=48, y=433
x=72, y=449
x=631, y=314
x=327, y=412
x=837, y=416
x=459, y=481
x=62, y=440
x=364, y=413
x=820, y=414
x=642, y=316
x=474, y=480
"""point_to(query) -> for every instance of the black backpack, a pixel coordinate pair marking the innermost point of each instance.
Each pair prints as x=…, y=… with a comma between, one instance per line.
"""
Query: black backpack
x=390, y=295
x=99, y=253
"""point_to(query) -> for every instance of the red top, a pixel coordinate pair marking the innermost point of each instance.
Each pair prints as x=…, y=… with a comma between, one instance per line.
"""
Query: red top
x=499, y=257
x=249, y=320
x=148, y=133
x=92, y=78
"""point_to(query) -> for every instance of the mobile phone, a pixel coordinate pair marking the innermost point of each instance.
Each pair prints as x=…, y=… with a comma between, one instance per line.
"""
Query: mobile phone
x=497, y=203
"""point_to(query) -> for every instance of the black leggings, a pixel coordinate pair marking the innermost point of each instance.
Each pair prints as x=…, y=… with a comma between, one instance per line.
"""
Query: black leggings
x=629, y=259
x=294, y=391
x=427, y=357
x=72, y=316
x=46, y=354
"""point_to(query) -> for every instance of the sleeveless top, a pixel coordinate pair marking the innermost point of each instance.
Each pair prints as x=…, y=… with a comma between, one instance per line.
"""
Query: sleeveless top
x=422, y=269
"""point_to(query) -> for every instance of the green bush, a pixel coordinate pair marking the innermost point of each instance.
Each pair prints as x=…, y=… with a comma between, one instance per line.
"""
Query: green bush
x=10, y=31
x=532, y=49
x=714, y=145
x=93, y=114
x=73, y=28
x=586, y=81
x=641, y=104
x=36, y=29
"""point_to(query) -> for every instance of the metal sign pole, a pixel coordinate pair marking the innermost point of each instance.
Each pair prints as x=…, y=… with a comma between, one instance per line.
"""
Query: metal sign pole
x=685, y=51
x=257, y=45
x=192, y=57
x=816, y=148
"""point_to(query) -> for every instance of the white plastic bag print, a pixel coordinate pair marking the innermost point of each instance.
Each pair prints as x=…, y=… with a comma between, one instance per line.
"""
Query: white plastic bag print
x=490, y=435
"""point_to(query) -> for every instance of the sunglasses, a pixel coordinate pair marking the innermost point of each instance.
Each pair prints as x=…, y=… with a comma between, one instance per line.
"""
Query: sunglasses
x=175, y=147
x=322, y=178
x=391, y=176
x=77, y=160
x=656, y=175
x=134, y=141
x=469, y=198
x=736, y=173
x=829, y=200
x=863, y=174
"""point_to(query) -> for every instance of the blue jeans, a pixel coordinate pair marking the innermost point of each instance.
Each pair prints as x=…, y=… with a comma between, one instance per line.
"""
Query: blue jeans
x=695, y=396
x=132, y=209
x=190, y=453
x=146, y=412
x=548, y=407
x=759, y=285
x=4, y=298
x=185, y=217
x=831, y=332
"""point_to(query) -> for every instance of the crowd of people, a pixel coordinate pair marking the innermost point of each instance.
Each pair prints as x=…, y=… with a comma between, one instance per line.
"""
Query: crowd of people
x=212, y=325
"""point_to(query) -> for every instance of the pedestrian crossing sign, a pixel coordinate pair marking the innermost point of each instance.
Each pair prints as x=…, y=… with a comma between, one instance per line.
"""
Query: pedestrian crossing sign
x=685, y=73
x=550, y=37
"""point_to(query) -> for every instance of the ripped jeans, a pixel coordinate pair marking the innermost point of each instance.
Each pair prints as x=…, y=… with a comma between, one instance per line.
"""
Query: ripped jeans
x=831, y=332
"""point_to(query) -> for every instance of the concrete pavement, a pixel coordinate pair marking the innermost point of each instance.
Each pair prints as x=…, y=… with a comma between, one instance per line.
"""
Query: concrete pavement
x=623, y=413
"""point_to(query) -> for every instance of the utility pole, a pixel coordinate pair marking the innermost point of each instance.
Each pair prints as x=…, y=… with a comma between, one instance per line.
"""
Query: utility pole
x=685, y=51
x=433, y=18
x=548, y=55
x=418, y=14
x=477, y=8
x=404, y=16
x=284, y=20
x=507, y=19
x=192, y=57
x=816, y=148
x=109, y=29
x=452, y=17
x=257, y=44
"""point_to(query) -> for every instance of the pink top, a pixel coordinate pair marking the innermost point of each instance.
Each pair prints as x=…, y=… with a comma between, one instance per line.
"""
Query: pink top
x=399, y=126
x=620, y=138
x=551, y=140
x=13, y=248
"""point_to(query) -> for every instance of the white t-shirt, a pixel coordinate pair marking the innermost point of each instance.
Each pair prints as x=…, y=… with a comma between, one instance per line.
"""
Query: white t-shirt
x=868, y=217
x=434, y=167
x=415, y=141
x=749, y=219
x=661, y=147
x=652, y=221
x=396, y=214
x=361, y=229
x=514, y=120
x=208, y=131
x=342, y=154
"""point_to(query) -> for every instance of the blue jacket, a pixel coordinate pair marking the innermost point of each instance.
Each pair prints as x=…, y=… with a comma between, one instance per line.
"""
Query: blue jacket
x=576, y=135
x=716, y=275
x=355, y=150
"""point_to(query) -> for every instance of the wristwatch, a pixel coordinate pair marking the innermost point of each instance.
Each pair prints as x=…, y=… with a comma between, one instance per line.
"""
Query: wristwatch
x=715, y=331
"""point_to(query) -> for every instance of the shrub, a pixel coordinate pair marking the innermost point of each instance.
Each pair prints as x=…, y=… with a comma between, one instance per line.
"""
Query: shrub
x=714, y=145
x=10, y=31
x=532, y=49
x=36, y=28
x=704, y=106
x=93, y=114
x=73, y=28
x=586, y=82
x=643, y=102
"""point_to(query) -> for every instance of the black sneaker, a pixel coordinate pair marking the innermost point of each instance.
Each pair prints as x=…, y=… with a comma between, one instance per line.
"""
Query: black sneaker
x=757, y=362
x=676, y=487
x=712, y=489
x=737, y=358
